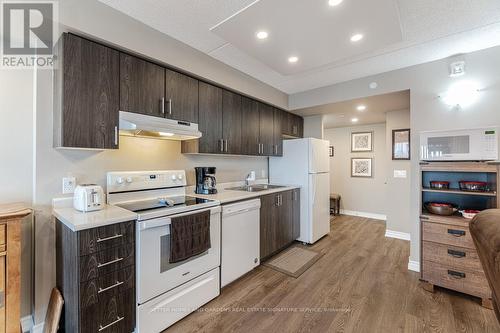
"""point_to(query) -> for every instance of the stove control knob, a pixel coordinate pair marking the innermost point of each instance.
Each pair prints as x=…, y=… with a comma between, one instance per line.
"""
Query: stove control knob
x=179, y=176
x=174, y=177
x=129, y=180
x=119, y=180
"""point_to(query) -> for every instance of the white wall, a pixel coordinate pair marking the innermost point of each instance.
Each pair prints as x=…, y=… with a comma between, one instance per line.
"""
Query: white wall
x=314, y=127
x=428, y=112
x=397, y=189
x=362, y=195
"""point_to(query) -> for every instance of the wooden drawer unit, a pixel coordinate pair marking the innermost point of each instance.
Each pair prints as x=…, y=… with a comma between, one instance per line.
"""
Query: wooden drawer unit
x=96, y=275
x=3, y=237
x=451, y=255
x=465, y=280
x=447, y=234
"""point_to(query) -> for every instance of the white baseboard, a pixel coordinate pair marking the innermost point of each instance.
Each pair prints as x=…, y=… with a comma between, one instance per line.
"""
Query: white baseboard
x=414, y=266
x=396, y=234
x=28, y=326
x=364, y=214
x=38, y=328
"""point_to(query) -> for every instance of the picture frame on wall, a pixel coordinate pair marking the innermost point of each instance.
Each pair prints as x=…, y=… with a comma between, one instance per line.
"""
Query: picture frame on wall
x=331, y=151
x=361, y=142
x=401, y=144
x=361, y=167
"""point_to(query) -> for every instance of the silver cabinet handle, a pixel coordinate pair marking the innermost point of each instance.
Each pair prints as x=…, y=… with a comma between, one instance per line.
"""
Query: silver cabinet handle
x=99, y=240
x=294, y=130
x=162, y=105
x=281, y=200
x=221, y=141
x=101, y=290
x=99, y=265
x=294, y=195
x=277, y=200
x=116, y=135
x=170, y=106
x=118, y=319
x=225, y=146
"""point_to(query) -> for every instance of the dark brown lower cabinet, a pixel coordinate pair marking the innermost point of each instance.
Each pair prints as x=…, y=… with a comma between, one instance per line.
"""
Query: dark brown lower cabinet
x=95, y=272
x=279, y=215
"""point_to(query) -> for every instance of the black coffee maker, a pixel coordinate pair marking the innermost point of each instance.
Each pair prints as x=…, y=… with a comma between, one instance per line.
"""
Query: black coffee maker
x=205, y=180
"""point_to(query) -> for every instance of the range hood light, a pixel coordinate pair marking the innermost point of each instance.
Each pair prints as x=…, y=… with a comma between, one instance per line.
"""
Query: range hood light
x=166, y=134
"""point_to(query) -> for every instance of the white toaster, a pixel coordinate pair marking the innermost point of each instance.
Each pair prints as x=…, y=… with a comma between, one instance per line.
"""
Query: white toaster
x=88, y=198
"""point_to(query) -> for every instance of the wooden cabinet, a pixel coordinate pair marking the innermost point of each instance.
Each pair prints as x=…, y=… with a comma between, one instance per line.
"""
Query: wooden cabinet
x=95, y=272
x=278, y=221
x=250, y=128
x=10, y=266
x=277, y=136
x=86, y=94
x=181, y=97
x=292, y=125
x=448, y=254
x=231, y=122
x=142, y=86
x=210, y=116
x=266, y=129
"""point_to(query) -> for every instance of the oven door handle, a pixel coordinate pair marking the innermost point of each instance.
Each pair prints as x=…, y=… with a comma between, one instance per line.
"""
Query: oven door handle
x=156, y=223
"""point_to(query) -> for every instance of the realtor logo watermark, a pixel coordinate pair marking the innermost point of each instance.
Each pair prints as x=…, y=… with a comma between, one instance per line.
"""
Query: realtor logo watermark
x=28, y=34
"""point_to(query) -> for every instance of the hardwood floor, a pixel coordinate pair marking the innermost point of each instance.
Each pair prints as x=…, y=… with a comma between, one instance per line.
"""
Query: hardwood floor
x=361, y=284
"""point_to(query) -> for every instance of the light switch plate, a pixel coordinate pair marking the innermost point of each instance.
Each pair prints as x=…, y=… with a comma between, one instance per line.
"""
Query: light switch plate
x=68, y=185
x=399, y=173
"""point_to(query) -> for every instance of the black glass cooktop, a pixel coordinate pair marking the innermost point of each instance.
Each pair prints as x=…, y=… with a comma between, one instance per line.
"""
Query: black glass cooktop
x=143, y=205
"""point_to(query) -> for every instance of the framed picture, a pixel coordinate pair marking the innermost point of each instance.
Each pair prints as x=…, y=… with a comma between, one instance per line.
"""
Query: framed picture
x=331, y=151
x=401, y=144
x=361, y=142
x=361, y=167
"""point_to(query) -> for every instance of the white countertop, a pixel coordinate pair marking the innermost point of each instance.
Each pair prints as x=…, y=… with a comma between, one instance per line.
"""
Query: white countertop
x=76, y=220
x=225, y=196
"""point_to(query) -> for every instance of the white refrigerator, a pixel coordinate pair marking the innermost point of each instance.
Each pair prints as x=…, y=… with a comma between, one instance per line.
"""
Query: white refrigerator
x=305, y=163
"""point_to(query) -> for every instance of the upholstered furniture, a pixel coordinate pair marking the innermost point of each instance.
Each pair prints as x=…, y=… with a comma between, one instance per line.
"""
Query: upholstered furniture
x=485, y=232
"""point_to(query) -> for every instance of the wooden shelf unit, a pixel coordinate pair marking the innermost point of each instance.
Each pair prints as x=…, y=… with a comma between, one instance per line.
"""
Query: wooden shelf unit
x=448, y=256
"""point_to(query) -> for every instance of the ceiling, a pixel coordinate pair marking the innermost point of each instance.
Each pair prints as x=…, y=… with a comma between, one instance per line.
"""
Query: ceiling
x=397, y=34
x=341, y=114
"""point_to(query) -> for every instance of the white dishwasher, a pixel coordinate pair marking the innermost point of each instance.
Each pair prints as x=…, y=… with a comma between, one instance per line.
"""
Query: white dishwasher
x=240, y=239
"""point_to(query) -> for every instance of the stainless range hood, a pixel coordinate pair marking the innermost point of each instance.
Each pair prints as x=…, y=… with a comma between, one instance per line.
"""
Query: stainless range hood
x=135, y=124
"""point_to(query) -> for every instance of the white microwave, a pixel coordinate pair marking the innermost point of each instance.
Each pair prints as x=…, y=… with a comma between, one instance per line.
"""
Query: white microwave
x=460, y=145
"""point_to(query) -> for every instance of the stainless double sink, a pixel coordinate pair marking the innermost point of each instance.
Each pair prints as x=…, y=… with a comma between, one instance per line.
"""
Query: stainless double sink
x=255, y=188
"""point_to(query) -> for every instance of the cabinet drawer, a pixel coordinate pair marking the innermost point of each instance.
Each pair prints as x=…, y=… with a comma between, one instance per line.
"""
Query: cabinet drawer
x=447, y=234
x=468, y=281
x=451, y=255
x=3, y=237
x=98, y=239
x=115, y=313
x=97, y=264
x=91, y=292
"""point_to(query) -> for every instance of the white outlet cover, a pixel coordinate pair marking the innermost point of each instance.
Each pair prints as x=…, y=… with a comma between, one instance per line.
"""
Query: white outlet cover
x=68, y=185
x=399, y=173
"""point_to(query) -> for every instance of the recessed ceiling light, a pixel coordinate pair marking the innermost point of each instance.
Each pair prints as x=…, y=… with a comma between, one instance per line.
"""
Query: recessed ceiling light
x=262, y=34
x=334, y=3
x=373, y=85
x=354, y=120
x=361, y=108
x=293, y=59
x=356, y=37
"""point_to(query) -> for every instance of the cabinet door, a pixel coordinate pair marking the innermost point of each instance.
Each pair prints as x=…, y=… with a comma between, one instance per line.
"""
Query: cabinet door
x=90, y=93
x=210, y=119
x=296, y=214
x=181, y=97
x=142, y=86
x=231, y=122
x=250, y=128
x=277, y=136
x=266, y=128
x=285, y=224
x=298, y=126
x=2, y=292
x=268, y=222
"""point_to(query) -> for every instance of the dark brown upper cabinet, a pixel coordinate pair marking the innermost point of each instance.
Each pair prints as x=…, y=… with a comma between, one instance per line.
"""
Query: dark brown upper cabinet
x=231, y=122
x=250, y=127
x=210, y=120
x=181, y=97
x=292, y=125
x=277, y=135
x=86, y=94
x=142, y=86
x=266, y=129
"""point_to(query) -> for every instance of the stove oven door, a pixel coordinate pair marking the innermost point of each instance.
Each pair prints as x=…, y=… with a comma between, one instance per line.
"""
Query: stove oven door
x=155, y=274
